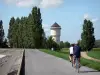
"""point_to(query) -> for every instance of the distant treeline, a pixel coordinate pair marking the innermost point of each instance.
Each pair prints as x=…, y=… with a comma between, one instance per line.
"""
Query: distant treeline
x=28, y=32
x=97, y=44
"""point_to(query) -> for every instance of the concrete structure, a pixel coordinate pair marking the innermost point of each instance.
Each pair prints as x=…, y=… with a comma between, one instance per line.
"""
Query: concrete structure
x=11, y=61
x=56, y=32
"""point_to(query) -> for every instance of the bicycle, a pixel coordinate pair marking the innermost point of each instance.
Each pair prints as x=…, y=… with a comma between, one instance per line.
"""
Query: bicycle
x=77, y=65
x=71, y=60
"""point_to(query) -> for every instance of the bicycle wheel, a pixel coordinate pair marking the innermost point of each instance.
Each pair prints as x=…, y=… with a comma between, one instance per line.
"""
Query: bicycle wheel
x=72, y=63
x=77, y=65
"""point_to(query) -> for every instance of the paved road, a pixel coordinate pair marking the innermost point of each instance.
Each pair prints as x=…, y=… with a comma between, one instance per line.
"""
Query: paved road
x=9, y=63
x=40, y=63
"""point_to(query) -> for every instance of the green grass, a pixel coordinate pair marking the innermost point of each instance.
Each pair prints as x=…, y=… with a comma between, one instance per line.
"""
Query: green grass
x=90, y=63
x=65, y=50
x=95, y=53
x=65, y=55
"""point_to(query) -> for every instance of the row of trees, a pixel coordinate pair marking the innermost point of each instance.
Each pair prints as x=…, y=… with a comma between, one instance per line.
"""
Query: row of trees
x=27, y=31
x=64, y=44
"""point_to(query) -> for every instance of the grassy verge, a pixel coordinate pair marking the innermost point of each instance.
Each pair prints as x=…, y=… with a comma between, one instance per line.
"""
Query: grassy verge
x=96, y=49
x=65, y=54
x=90, y=63
x=95, y=53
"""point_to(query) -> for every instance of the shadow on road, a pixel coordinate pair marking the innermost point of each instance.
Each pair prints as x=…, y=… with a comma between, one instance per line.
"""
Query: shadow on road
x=22, y=72
x=88, y=71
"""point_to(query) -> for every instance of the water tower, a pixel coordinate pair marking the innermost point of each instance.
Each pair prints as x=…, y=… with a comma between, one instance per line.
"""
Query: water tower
x=56, y=32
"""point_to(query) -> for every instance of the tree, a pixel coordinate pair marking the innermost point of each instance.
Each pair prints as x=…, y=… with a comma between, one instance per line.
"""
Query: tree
x=87, y=36
x=79, y=42
x=10, y=31
x=52, y=44
x=1, y=33
x=66, y=44
x=27, y=31
x=44, y=43
x=4, y=45
x=37, y=27
x=61, y=44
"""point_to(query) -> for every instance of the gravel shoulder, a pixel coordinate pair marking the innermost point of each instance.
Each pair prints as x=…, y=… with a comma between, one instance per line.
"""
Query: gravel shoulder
x=84, y=55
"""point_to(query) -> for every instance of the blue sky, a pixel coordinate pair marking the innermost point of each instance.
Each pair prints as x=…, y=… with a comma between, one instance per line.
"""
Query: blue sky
x=69, y=14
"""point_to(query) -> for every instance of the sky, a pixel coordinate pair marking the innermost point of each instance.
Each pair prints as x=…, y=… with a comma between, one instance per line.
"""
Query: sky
x=69, y=14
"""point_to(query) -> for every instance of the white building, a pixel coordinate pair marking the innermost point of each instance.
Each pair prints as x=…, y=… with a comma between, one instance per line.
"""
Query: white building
x=56, y=32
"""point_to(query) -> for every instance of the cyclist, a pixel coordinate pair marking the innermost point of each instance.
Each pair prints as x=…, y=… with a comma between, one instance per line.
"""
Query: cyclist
x=77, y=53
x=71, y=53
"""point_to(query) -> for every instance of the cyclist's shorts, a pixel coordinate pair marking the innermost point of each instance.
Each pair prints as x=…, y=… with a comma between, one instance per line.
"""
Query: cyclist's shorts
x=71, y=54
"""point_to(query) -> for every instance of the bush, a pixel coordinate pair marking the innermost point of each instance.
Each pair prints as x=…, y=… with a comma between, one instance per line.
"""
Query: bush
x=56, y=46
x=50, y=43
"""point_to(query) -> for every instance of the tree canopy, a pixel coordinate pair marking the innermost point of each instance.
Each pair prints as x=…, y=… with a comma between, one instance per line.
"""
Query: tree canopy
x=26, y=31
x=1, y=33
x=52, y=44
x=87, y=36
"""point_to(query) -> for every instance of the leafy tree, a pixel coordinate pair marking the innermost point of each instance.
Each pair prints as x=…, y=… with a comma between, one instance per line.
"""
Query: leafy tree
x=1, y=33
x=5, y=45
x=56, y=46
x=79, y=42
x=87, y=35
x=16, y=33
x=44, y=43
x=52, y=44
x=66, y=44
x=61, y=44
x=10, y=31
x=37, y=27
x=27, y=31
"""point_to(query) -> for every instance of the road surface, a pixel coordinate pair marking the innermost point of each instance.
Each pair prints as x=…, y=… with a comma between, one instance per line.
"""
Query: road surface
x=10, y=62
x=40, y=63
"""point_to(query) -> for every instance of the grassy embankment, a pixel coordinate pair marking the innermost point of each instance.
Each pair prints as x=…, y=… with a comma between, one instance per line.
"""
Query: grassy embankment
x=95, y=53
x=64, y=53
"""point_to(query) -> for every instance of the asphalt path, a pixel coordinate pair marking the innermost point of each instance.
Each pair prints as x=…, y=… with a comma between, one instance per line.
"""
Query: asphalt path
x=40, y=63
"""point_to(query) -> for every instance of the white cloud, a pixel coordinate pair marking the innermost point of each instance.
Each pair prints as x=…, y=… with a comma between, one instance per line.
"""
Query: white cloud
x=88, y=17
x=95, y=20
x=10, y=1
x=39, y=3
x=50, y=3
x=24, y=3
